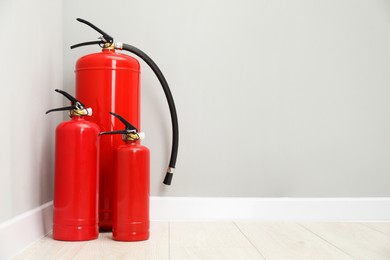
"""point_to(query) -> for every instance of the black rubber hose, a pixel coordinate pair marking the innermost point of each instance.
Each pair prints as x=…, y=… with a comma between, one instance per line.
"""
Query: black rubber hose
x=171, y=104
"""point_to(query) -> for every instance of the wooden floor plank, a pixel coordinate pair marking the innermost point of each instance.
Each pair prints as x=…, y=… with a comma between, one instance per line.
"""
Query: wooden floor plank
x=209, y=240
x=383, y=227
x=288, y=241
x=228, y=240
x=356, y=239
x=156, y=247
x=214, y=253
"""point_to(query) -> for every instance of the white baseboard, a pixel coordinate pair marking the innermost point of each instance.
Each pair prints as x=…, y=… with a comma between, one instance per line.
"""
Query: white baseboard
x=279, y=209
x=20, y=231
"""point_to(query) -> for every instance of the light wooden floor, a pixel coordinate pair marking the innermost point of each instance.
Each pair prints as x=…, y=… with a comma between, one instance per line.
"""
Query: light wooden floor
x=231, y=240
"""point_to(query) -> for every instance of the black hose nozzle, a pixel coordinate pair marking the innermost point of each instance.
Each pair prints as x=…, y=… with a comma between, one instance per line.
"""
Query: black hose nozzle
x=168, y=178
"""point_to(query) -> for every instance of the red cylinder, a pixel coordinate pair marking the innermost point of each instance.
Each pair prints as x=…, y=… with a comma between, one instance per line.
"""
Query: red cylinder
x=109, y=81
x=131, y=192
x=75, y=215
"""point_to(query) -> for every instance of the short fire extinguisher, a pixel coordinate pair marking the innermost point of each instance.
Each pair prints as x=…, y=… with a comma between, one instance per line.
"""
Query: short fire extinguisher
x=110, y=81
x=75, y=214
x=130, y=216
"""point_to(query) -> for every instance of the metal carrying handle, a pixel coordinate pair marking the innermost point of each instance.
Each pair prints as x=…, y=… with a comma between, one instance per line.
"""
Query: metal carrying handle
x=129, y=128
x=105, y=38
x=75, y=104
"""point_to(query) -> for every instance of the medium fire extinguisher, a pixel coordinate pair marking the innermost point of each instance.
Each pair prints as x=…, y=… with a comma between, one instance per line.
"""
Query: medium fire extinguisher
x=109, y=81
x=130, y=214
x=75, y=214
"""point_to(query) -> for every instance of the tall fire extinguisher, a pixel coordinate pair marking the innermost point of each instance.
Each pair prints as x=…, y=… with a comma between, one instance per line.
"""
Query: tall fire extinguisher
x=109, y=81
x=131, y=186
x=75, y=214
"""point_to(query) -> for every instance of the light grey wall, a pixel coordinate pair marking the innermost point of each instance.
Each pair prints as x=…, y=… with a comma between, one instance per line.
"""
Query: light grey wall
x=30, y=69
x=275, y=98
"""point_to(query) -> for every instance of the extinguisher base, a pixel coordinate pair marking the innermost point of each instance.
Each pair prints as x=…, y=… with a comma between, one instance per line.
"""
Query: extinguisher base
x=137, y=231
x=130, y=236
x=75, y=233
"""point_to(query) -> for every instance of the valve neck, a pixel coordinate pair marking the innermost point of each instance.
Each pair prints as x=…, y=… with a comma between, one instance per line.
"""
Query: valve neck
x=78, y=113
x=77, y=118
x=108, y=47
x=131, y=137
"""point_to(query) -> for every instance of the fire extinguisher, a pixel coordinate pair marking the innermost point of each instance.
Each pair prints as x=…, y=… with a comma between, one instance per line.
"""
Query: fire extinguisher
x=109, y=81
x=75, y=214
x=130, y=216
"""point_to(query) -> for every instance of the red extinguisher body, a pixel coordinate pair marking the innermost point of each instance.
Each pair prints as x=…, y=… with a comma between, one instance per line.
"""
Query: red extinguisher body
x=108, y=81
x=75, y=215
x=131, y=192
